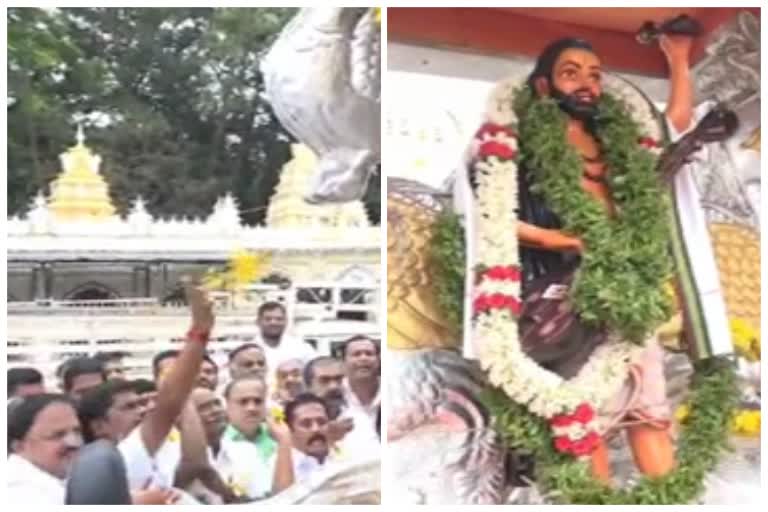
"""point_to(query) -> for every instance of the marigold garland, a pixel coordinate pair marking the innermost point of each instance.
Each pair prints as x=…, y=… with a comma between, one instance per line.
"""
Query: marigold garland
x=746, y=339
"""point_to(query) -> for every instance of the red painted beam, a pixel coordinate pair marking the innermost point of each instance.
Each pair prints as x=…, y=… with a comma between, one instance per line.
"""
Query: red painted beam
x=509, y=32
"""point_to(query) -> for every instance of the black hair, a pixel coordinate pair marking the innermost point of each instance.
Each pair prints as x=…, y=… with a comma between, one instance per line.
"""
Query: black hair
x=231, y=384
x=303, y=399
x=160, y=357
x=243, y=347
x=378, y=421
x=96, y=402
x=207, y=357
x=269, y=306
x=81, y=366
x=61, y=368
x=22, y=376
x=549, y=55
x=309, y=368
x=358, y=337
x=22, y=415
x=142, y=386
x=107, y=357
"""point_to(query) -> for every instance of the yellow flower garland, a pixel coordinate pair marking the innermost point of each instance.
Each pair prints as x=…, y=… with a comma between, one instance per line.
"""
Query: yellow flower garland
x=746, y=423
x=746, y=339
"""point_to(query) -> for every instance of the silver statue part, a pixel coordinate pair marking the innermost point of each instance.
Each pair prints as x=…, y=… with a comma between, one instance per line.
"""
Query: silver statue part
x=323, y=79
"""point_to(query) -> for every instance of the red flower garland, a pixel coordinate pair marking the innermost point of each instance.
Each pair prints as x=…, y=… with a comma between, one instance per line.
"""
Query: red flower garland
x=583, y=414
x=580, y=447
x=485, y=302
x=497, y=149
x=503, y=273
x=493, y=129
x=648, y=143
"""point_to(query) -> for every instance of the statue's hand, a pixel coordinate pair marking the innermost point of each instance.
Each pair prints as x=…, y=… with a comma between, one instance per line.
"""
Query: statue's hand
x=676, y=48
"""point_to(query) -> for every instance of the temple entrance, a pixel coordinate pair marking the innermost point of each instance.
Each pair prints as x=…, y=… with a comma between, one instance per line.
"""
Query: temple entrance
x=91, y=291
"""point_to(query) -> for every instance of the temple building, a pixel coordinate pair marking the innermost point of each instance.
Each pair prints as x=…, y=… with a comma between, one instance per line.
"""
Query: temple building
x=72, y=245
x=110, y=283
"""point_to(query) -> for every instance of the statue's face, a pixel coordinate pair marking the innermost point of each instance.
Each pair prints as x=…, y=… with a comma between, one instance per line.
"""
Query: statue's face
x=576, y=82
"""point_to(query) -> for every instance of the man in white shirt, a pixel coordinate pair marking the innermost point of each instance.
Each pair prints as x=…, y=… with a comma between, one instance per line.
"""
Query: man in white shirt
x=307, y=418
x=149, y=459
x=271, y=320
x=43, y=439
x=362, y=363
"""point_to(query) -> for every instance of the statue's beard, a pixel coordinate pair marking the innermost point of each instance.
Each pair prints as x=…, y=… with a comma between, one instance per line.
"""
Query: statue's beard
x=575, y=107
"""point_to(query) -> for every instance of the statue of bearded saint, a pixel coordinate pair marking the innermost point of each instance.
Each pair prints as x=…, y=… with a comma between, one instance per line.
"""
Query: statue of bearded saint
x=569, y=71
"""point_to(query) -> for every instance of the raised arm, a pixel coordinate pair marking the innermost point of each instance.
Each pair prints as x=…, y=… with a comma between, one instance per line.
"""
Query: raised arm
x=283, y=476
x=194, y=447
x=677, y=50
x=177, y=385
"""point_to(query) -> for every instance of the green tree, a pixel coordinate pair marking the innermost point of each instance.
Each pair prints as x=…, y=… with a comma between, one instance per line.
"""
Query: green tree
x=172, y=99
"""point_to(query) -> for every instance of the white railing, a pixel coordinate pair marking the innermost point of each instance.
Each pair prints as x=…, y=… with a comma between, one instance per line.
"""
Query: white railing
x=142, y=327
x=313, y=300
x=36, y=306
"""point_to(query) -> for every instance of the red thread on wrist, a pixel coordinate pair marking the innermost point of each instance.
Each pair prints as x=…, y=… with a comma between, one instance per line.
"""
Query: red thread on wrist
x=198, y=335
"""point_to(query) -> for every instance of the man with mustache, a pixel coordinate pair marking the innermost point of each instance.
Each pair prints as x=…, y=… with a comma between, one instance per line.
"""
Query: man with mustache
x=43, y=439
x=324, y=377
x=308, y=420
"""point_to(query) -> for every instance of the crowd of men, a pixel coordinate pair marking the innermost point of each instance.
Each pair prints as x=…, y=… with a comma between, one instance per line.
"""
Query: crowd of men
x=277, y=415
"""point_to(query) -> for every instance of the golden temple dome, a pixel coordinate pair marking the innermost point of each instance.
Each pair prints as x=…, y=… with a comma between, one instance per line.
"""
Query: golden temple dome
x=79, y=191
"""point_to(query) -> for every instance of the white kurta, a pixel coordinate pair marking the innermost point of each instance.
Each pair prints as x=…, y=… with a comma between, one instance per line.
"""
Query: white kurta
x=30, y=485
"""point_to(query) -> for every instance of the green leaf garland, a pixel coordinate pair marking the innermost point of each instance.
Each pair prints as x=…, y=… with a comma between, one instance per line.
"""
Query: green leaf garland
x=703, y=439
x=626, y=260
x=447, y=257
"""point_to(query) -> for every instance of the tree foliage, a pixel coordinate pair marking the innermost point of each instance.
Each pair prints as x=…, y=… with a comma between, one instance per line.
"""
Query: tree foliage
x=171, y=98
